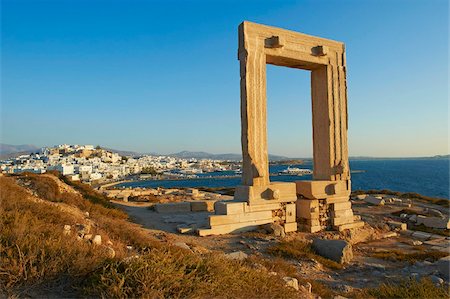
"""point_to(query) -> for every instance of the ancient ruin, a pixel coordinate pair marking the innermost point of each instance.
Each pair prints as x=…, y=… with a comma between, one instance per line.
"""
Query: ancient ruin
x=324, y=202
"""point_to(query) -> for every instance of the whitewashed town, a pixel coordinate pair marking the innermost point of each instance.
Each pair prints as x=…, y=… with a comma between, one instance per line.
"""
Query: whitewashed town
x=93, y=164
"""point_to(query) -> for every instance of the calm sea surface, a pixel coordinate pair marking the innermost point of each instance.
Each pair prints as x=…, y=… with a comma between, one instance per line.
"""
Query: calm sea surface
x=425, y=176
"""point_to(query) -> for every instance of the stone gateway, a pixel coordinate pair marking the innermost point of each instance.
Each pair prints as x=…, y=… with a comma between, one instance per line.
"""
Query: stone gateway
x=324, y=202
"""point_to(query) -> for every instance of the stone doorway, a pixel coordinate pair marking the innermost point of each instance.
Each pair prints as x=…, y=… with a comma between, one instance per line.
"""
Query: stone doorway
x=309, y=205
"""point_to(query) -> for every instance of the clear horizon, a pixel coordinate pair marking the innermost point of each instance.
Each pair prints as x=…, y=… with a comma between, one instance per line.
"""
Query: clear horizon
x=161, y=77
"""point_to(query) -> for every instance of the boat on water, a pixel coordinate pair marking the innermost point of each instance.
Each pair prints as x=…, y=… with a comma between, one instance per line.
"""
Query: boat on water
x=295, y=171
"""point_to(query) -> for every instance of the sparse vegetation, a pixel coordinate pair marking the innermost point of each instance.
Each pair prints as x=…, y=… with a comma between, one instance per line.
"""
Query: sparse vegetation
x=166, y=273
x=298, y=249
x=408, y=289
x=411, y=257
x=35, y=251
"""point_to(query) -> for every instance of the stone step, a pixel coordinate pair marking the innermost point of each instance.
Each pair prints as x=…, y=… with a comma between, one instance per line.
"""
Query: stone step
x=233, y=228
x=215, y=220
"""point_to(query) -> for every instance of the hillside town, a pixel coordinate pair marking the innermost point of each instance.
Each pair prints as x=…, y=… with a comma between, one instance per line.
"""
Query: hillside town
x=93, y=164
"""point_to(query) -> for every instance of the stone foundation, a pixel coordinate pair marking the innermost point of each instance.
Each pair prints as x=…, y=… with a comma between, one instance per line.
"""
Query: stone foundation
x=253, y=206
x=325, y=205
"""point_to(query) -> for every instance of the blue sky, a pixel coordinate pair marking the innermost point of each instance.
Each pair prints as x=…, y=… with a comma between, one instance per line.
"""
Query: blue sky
x=163, y=76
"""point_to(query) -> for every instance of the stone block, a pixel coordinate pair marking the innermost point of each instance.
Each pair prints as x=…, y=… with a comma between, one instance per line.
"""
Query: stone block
x=389, y=235
x=342, y=220
x=398, y=225
x=291, y=282
x=237, y=255
x=184, y=229
x=342, y=213
x=238, y=218
x=233, y=228
x=322, y=189
x=229, y=207
x=309, y=228
x=444, y=267
x=261, y=194
x=339, y=251
x=202, y=206
x=174, y=207
x=262, y=207
x=313, y=222
x=290, y=227
x=290, y=212
x=337, y=199
x=307, y=209
x=374, y=201
x=421, y=235
x=356, y=224
x=274, y=228
x=433, y=222
x=341, y=206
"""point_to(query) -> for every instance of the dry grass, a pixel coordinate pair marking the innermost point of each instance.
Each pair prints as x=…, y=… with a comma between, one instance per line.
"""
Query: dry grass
x=168, y=273
x=32, y=246
x=284, y=268
x=34, y=252
x=297, y=249
x=411, y=257
x=408, y=289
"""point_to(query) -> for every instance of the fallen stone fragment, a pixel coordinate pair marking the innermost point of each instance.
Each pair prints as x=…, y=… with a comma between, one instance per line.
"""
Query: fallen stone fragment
x=291, y=282
x=415, y=242
x=83, y=229
x=345, y=288
x=184, y=229
x=434, y=212
x=433, y=222
x=389, y=235
x=67, y=229
x=436, y=280
x=421, y=235
x=110, y=252
x=374, y=200
x=413, y=218
x=274, y=228
x=397, y=225
x=444, y=266
x=97, y=240
x=237, y=255
x=307, y=287
x=87, y=237
x=339, y=251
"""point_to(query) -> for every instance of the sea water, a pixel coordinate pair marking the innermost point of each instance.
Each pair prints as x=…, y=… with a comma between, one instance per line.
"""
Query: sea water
x=428, y=177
